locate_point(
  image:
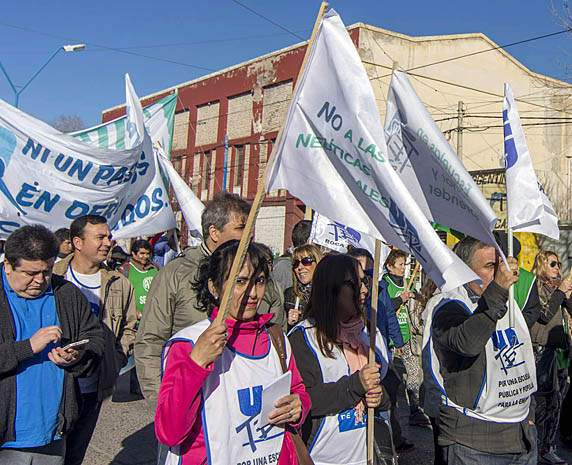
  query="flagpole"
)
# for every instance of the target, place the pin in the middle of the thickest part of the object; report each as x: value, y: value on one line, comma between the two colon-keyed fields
x: 257, y: 202
x: 372, y: 334
x: 511, y: 301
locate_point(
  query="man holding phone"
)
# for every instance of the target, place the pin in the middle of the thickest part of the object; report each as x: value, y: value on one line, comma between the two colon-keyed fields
x: 39, y: 315
x: 112, y: 301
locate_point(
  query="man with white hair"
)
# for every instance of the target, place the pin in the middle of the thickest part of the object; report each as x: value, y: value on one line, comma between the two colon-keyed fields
x: 484, y: 368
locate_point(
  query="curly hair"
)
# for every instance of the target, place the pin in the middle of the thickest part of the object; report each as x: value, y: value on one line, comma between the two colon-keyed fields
x: 541, y: 260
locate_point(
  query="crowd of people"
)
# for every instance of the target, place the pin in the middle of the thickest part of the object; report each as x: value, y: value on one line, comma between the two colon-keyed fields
x: 284, y: 377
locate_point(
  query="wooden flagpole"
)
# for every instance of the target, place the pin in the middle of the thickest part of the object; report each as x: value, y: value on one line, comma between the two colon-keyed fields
x: 257, y: 203
x: 372, y: 334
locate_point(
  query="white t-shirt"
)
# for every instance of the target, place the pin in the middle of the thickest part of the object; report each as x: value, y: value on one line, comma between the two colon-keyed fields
x: 90, y: 286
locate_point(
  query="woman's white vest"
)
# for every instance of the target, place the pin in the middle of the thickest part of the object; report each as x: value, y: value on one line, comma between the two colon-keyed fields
x: 339, y: 439
x: 510, y: 373
x: 232, y: 400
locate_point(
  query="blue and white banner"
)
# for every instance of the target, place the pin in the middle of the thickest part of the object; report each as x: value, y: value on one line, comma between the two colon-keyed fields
x: 51, y: 178
x: 332, y: 155
x: 528, y: 207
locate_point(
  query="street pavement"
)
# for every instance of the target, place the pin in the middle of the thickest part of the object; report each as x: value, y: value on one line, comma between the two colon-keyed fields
x: 125, y: 436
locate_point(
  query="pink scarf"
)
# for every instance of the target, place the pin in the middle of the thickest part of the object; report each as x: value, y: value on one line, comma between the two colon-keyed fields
x: 355, y: 351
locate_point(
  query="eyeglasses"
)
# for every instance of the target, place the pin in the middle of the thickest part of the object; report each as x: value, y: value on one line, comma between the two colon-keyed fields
x: 306, y: 261
x: 554, y: 263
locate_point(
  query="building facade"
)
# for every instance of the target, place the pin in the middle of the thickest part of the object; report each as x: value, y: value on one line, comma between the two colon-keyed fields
x: 227, y: 122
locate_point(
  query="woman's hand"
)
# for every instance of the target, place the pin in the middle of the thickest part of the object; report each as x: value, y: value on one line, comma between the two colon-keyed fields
x: 210, y: 345
x: 293, y: 316
x: 288, y: 410
x: 406, y: 295
x: 370, y: 377
x: 373, y: 397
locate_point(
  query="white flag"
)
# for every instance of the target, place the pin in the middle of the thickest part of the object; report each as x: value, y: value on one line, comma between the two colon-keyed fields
x: 338, y: 237
x: 332, y: 155
x: 529, y: 209
x: 191, y: 206
x: 52, y: 178
x: 432, y: 172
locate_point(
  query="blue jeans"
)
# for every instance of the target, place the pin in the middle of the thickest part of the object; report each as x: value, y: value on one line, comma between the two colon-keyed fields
x: 458, y: 454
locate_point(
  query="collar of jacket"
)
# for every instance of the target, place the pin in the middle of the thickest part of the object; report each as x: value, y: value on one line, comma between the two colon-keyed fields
x: 205, y: 249
x: 61, y: 267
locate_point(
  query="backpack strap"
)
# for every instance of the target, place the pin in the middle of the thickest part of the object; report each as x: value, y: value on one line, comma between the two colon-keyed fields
x: 277, y: 337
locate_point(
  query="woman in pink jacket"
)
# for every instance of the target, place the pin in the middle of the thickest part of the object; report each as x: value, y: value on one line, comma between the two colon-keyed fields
x: 214, y: 375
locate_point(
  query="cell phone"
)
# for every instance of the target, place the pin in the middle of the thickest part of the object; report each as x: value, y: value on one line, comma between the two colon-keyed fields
x: 74, y: 345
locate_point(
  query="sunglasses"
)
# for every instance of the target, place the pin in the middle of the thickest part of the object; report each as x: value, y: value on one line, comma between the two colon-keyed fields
x: 554, y: 263
x: 306, y: 261
x: 365, y: 281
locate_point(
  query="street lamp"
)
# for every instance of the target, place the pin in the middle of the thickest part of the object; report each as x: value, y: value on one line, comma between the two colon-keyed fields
x: 65, y: 48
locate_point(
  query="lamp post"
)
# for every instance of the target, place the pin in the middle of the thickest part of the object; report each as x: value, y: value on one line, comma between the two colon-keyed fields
x: 65, y: 48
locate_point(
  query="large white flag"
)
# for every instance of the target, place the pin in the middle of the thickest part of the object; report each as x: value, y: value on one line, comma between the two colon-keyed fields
x: 529, y: 209
x: 191, y: 206
x: 432, y: 172
x: 51, y: 178
x: 333, y: 156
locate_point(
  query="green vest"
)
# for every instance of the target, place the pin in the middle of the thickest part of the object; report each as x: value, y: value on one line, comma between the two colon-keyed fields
x: 394, y: 290
x: 141, y: 281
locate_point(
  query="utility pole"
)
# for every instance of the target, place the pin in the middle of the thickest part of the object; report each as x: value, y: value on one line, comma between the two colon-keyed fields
x: 460, y: 113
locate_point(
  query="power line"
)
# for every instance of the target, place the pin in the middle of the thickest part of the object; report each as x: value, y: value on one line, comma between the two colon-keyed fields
x: 114, y: 49
x: 490, y: 49
x: 268, y: 19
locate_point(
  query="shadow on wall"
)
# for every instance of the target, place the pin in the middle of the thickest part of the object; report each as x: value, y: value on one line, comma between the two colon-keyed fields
x: 140, y: 448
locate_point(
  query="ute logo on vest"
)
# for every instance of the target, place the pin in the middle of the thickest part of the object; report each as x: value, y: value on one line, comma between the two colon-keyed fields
x: 147, y: 283
x: 506, y: 343
x: 250, y: 407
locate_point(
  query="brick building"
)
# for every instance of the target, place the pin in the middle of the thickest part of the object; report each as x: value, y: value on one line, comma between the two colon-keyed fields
x: 238, y: 111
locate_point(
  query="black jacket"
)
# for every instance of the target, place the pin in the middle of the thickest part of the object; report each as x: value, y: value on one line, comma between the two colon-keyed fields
x: 459, y: 340
x: 77, y: 322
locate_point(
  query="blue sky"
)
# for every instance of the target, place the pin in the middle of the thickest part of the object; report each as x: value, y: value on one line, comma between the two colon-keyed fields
x: 203, y: 36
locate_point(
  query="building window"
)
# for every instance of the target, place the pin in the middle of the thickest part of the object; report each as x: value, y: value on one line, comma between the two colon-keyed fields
x: 206, y: 170
x: 238, y: 164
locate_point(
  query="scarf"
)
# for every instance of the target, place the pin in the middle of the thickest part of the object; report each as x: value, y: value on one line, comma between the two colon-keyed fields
x: 305, y: 290
x: 355, y: 351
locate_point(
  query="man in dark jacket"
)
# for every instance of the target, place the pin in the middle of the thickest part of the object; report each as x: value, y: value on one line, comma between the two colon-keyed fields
x: 39, y: 316
x: 485, y: 367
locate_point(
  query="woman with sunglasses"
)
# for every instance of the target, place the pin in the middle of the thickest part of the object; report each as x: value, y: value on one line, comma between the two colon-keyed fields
x: 304, y: 261
x: 551, y: 342
x: 331, y: 347
x: 210, y: 397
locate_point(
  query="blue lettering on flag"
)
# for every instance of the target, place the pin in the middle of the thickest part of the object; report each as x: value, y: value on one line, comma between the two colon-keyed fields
x: 511, y: 155
x: 7, y: 146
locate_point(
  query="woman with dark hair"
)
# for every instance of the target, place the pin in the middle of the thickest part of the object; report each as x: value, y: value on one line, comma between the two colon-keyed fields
x: 304, y: 261
x: 214, y: 374
x: 331, y: 346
